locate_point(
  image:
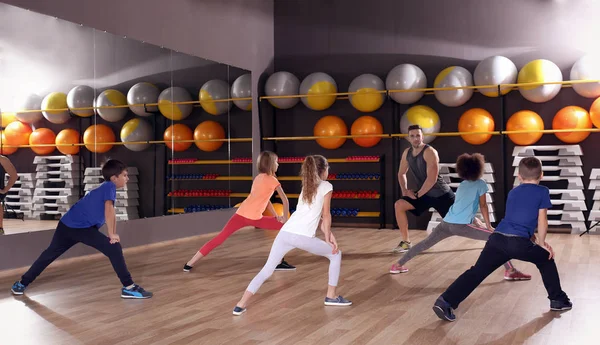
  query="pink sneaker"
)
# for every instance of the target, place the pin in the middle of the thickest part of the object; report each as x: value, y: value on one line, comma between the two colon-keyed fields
x: 516, y: 275
x: 395, y: 269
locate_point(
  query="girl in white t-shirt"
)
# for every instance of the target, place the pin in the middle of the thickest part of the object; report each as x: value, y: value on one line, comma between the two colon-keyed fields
x: 299, y: 232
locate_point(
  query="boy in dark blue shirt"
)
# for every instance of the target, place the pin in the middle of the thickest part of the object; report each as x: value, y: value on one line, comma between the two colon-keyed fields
x: 526, y: 208
x: 81, y: 224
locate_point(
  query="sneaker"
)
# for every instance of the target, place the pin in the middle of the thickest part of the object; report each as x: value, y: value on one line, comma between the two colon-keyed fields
x: 395, y: 269
x: 338, y: 301
x: 516, y: 275
x: 187, y: 268
x: 1, y: 231
x: 443, y: 310
x: 18, y: 288
x: 561, y: 305
x: 284, y: 266
x: 404, y: 246
x: 238, y: 310
x: 136, y: 292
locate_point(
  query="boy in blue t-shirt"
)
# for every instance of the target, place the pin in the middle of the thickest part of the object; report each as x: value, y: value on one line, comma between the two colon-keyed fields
x: 81, y: 224
x: 526, y: 208
x: 460, y: 219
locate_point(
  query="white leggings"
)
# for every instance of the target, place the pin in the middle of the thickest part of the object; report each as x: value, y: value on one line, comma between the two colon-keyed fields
x: 286, y: 241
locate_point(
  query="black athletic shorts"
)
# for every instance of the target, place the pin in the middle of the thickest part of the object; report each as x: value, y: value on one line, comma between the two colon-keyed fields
x: 441, y: 204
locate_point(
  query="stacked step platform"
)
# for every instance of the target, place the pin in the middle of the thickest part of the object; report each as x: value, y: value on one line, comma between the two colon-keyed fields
x: 562, y: 167
x: 19, y: 198
x: 57, y: 186
x: 126, y: 206
x: 450, y: 176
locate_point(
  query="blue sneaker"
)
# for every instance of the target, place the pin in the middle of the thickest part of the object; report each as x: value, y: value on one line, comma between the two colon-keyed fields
x: 18, y: 288
x: 238, y: 310
x: 338, y: 301
x: 443, y: 310
x: 136, y: 292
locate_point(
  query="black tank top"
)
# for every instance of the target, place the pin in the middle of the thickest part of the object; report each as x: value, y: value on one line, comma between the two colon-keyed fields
x: 2, y: 174
x: 418, y: 168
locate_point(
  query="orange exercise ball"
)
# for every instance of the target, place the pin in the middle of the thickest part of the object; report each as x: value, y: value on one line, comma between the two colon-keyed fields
x: 95, y: 136
x: 572, y: 117
x: 476, y: 120
x: 365, y: 125
x: 330, y: 125
x: 17, y: 133
x: 278, y: 208
x: 3, y: 149
x: 42, y: 136
x: 525, y: 120
x: 67, y: 136
x: 209, y: 130
x: 595, y: 112
x: 176, y: 132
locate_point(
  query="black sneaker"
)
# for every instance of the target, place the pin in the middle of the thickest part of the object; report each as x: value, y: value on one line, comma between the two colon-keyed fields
x: 187, y: 268
x: 238, y: 310
x: 136, y: 292
x: 561, y: 305
x: 284, y: 266
x: 443, y: 310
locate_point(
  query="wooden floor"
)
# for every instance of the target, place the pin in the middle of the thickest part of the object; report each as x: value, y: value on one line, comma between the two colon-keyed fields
x: 17, y: 226
x: 76, y: 301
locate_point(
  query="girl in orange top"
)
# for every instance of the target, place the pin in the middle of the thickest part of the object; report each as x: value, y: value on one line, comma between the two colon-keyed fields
x: 250, y: 212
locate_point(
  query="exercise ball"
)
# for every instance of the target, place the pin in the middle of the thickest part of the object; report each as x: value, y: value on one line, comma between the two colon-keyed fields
x: 95, y: 138
x: 476, y: 120
x: 406, y: 77
x: 109, y: 98
x: 209, y: 130
x: 67, y: 136
x: 242, y: 88
x: 7, y: 118
x: 136, y: 130
x: 214, y: 90
x: 330, y: 125
x: 423, y: 116
x: 55, y: 100
x: 495, y: 70
x: 538, y: 71
x: 177, y: 132
x: 81, y: 96
x: 366, y: 100
x: 595, y: 112
x: 315, y: 84
x: 283, y: 84
x: 366, y: 125
x: 572, y: 117
x: 172, y: 111
x: 525, y: 120
x: 278, y: 209
x: 587, y: 68
x: 454, y: 76
x: 17, y: 133
x: 30, y: 102
x: 42, y: 136
x: 3, y: 149
x: 143, y: 93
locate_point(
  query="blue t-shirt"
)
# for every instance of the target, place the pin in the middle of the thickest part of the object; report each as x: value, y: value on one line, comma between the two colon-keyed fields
x: 89, y: 211
x: 466, y: 202
x: 522, y: 209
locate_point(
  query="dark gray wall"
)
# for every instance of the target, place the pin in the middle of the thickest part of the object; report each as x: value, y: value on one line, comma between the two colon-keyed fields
x: 349, y: 38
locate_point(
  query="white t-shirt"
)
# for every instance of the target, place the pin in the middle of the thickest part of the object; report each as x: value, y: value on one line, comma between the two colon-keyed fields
x: 305, y: 220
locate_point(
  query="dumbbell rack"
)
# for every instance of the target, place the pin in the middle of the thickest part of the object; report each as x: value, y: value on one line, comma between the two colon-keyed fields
x: 19, y: 197
x: 449, y: 175
x: 57, y: 186
x: 127, y: 202
x: 561, y: 165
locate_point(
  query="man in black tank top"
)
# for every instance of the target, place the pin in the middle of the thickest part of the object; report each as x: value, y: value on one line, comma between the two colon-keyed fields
x: 6, y: 166
x: 423, y: 163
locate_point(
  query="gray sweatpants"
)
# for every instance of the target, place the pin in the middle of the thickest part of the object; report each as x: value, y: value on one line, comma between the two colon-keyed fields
x: 445, y: 230
x: 286, y: 241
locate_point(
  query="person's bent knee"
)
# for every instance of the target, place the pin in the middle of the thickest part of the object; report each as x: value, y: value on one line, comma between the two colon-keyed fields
x: 402, y: 205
